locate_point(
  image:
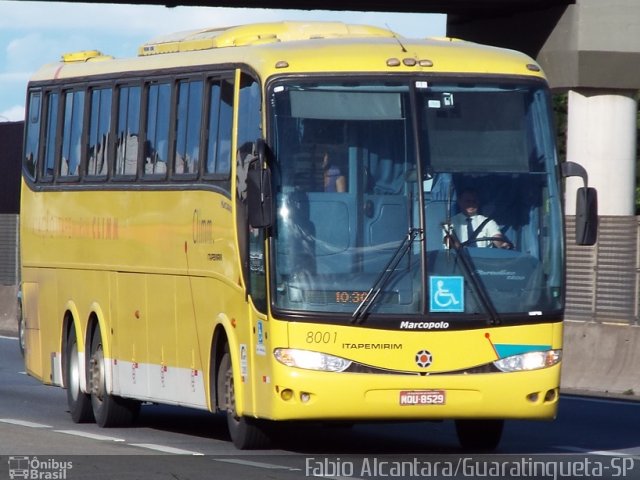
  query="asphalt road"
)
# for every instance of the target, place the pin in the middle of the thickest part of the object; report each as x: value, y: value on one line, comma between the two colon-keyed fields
x: 598, y: 438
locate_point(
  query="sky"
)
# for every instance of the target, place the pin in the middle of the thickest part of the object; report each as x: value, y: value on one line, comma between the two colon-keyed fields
x: 36, y: 33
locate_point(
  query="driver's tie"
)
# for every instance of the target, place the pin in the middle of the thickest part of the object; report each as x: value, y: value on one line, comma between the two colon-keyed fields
x: 470, y: 233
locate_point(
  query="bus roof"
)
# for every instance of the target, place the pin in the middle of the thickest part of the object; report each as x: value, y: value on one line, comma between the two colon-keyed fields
x: 300, y: 47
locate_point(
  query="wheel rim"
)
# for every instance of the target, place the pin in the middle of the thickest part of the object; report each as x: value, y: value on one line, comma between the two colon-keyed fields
x: 21, y: 333
x: 229, y: 395
x: 97, y: 375
x: 74, y: 372
x: 22, y: 336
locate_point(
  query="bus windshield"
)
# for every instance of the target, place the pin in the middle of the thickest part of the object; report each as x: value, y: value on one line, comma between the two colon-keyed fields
x: 371, y: 179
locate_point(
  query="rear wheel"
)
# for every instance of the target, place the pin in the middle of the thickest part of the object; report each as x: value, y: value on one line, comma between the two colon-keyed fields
x: 483, y: 435
x: 109, y: 410
x: 246, y: 433
x: 79, y: 402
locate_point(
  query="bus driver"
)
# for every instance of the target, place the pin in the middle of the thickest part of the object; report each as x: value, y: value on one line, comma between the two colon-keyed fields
x: 472, y: 228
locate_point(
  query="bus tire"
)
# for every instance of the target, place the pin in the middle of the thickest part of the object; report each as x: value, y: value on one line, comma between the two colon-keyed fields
x: 79, y: 402
x: 480, y: 435
x: 108, y: 410
x: 21, y: 328
x: 246, y: 433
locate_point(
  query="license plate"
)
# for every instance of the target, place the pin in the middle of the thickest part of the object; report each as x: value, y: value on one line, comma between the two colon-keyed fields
x: 422, y: 397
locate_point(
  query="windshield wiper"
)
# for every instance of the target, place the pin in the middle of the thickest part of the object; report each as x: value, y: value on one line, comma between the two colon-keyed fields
x: 470, y: 273
x: 382, y: 279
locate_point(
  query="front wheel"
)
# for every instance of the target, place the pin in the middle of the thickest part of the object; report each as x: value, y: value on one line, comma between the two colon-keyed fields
x: 482, y: 435
x: 109, y: 410
x: 246, y: 433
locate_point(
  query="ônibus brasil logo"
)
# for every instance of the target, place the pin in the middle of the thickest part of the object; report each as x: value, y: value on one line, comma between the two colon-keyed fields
x: 34, y: 468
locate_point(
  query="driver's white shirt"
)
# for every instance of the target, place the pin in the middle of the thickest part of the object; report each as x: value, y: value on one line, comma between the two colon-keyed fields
x: 490, y: 229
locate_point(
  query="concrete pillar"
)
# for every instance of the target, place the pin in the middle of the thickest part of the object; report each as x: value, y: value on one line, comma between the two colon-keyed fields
x: 601, y: 136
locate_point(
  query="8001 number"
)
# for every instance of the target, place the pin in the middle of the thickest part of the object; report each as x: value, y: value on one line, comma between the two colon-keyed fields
x: 321, y: 337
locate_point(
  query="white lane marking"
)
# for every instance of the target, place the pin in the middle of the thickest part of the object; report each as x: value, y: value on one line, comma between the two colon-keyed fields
x: 93, y: 436
x: 24, y: 423
x: 249, y: 463
x: 163, y: 448
x: 606, y: 453
x: 77, y: 433
x: 9, y: 338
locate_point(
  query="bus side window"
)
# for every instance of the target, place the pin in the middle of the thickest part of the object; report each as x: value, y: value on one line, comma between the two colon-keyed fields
x: 51, y: 130
x: 72, y: 133
x: 99, y: 127
x: 128, y: 131
x: 157, y: 123
x: 33, y: 134
x: 187, y: 129
x: 218, y: 149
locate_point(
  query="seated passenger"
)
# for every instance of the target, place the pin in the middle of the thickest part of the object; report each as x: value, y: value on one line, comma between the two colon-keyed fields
x: 333, y: 179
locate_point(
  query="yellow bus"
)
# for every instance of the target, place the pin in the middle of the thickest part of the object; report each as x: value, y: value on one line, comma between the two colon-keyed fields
x: 262, y: 221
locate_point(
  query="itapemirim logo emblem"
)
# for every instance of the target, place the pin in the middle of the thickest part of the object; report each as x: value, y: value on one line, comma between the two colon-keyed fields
x: 37, y: 469
x: 424, y: 358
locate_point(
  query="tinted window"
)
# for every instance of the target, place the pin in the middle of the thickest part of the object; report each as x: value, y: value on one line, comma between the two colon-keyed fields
x: 128, y: 131
x: 188, y: 122
x: 220, y: 126
x: 99, y: 125
x: 72, y: 133
x: 157, y: 138
x: 33, y: 133
x: 50, y: 134
x: 249, y: 112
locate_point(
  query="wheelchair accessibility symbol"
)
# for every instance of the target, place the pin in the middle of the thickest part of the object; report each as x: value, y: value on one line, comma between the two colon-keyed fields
x: 446, y: 294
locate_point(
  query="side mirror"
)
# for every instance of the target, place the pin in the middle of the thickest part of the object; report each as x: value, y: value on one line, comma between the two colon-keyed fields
x: 586, y: 205
x: 259, y: 197
x: 586, y: 216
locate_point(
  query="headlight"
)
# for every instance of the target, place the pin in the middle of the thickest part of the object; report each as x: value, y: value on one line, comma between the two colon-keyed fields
x: 311, y: 360
x: 529, y: 361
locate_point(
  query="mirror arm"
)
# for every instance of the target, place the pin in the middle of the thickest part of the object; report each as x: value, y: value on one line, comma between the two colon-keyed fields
x: 573, y: 169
